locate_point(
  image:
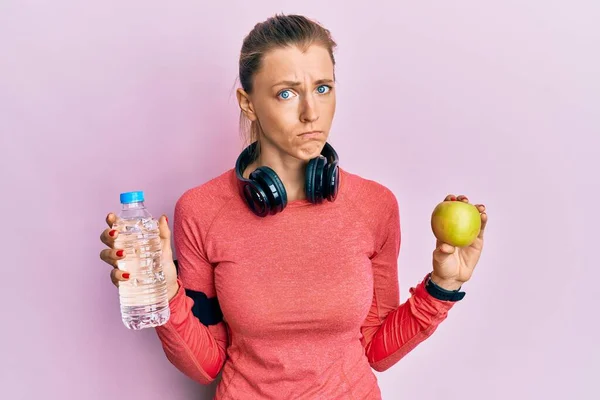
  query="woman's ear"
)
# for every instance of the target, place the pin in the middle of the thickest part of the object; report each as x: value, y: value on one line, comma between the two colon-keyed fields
x: 246, y: 104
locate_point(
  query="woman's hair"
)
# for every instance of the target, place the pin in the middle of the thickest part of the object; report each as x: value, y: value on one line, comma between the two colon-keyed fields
x: 276, y: 32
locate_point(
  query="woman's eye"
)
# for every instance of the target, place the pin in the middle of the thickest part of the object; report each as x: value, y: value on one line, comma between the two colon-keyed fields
x: 323, y: 89
x: 286, y: 94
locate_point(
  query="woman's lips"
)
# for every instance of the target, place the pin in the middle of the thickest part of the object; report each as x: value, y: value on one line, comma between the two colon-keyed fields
x: 310, y: 135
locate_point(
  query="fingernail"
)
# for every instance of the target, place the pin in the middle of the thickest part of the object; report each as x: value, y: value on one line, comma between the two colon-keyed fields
x: 452, y: 198
x: 112, y: 233
x: 125, y: 275
x: 167, y: 219
x: 120, y: 253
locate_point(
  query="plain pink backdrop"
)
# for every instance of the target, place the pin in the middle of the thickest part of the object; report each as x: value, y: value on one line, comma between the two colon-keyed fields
x: 497, y: 100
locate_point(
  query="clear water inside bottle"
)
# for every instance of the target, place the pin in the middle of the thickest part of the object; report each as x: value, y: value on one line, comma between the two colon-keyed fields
x: 143, y: 297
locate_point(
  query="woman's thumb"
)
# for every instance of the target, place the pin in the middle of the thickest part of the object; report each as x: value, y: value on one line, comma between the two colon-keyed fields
x: 442, y: 252
x: 163, y: 227
x: 165, y: 233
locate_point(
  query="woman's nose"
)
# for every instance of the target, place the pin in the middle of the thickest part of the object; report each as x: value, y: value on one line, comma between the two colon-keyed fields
x: 309, y: 112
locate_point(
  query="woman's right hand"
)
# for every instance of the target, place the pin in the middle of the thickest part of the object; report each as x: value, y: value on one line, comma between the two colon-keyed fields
x: 112, y: 255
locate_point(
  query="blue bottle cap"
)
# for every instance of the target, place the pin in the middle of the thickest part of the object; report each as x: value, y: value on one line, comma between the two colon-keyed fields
x: 132, y: 197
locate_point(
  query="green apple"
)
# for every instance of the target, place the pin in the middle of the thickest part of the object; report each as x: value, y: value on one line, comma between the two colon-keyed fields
x: 456, y: 223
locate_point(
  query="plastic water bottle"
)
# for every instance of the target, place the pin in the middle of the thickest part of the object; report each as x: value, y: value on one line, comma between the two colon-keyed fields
x: 143, y: 297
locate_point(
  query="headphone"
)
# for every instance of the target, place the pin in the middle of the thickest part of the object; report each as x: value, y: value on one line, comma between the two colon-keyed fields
x: 264, y: 192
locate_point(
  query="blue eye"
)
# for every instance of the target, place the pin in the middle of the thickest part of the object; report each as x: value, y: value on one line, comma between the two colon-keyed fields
x: 286, y: 94
x: 323, y: 89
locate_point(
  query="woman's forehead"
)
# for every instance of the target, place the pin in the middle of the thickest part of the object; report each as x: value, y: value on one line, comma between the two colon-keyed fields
x: 294, y: 64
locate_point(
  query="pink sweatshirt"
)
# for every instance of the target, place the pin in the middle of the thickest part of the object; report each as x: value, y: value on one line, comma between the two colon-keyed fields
x: 309, y: 297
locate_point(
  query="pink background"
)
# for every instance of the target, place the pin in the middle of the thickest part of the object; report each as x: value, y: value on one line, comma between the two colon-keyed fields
x: 497, y: 100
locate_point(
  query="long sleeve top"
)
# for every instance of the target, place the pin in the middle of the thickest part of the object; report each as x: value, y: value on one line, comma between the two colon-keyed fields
x: 303, y: 304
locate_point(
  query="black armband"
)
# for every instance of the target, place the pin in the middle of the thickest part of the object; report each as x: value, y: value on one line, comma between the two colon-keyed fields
x: 206, y: 309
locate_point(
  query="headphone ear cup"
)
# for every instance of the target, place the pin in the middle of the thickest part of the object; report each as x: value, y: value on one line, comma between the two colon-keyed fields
x: 256, y: 198
x: 326, y: 172
x: 313, y: 183
x: 309, y: 182
x: 331, y: 184
x: 273, y: 188
x: 319, y: 187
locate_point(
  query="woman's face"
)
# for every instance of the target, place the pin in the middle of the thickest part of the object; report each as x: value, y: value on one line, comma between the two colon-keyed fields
x: 293, y: 99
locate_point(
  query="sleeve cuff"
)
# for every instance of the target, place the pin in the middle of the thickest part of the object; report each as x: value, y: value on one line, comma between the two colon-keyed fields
x: 174, y: 302
x: 179, y: 306
x: 422, y: 292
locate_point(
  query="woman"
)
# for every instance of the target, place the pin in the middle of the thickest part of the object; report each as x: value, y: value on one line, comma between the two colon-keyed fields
x: 301, y: 254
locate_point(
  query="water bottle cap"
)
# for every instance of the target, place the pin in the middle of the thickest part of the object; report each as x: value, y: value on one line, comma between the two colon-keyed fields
x: 132, y: 197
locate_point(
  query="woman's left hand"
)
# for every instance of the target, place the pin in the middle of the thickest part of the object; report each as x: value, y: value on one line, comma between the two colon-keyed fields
x: 453, y: 266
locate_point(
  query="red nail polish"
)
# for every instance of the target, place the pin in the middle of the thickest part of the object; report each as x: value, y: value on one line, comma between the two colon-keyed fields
x: 112, y: 233
x: 126, y: 275
x: 167, y: 219
x: 120, y: 253
x: 452, y: 198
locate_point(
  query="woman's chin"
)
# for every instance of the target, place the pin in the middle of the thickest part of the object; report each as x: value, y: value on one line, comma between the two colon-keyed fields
x: 309, y: 150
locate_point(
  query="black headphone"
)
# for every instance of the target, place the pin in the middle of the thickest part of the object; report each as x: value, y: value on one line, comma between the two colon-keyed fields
x: 264, y: 192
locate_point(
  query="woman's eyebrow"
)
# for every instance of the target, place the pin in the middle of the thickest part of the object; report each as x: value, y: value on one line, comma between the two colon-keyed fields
x: 295, y: 83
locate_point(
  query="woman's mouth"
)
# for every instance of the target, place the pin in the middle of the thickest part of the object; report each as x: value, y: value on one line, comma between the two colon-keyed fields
x: 310, y: 135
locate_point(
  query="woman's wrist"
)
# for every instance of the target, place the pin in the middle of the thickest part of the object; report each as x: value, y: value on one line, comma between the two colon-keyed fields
x: 172, y: 290
x: 446, y: 284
